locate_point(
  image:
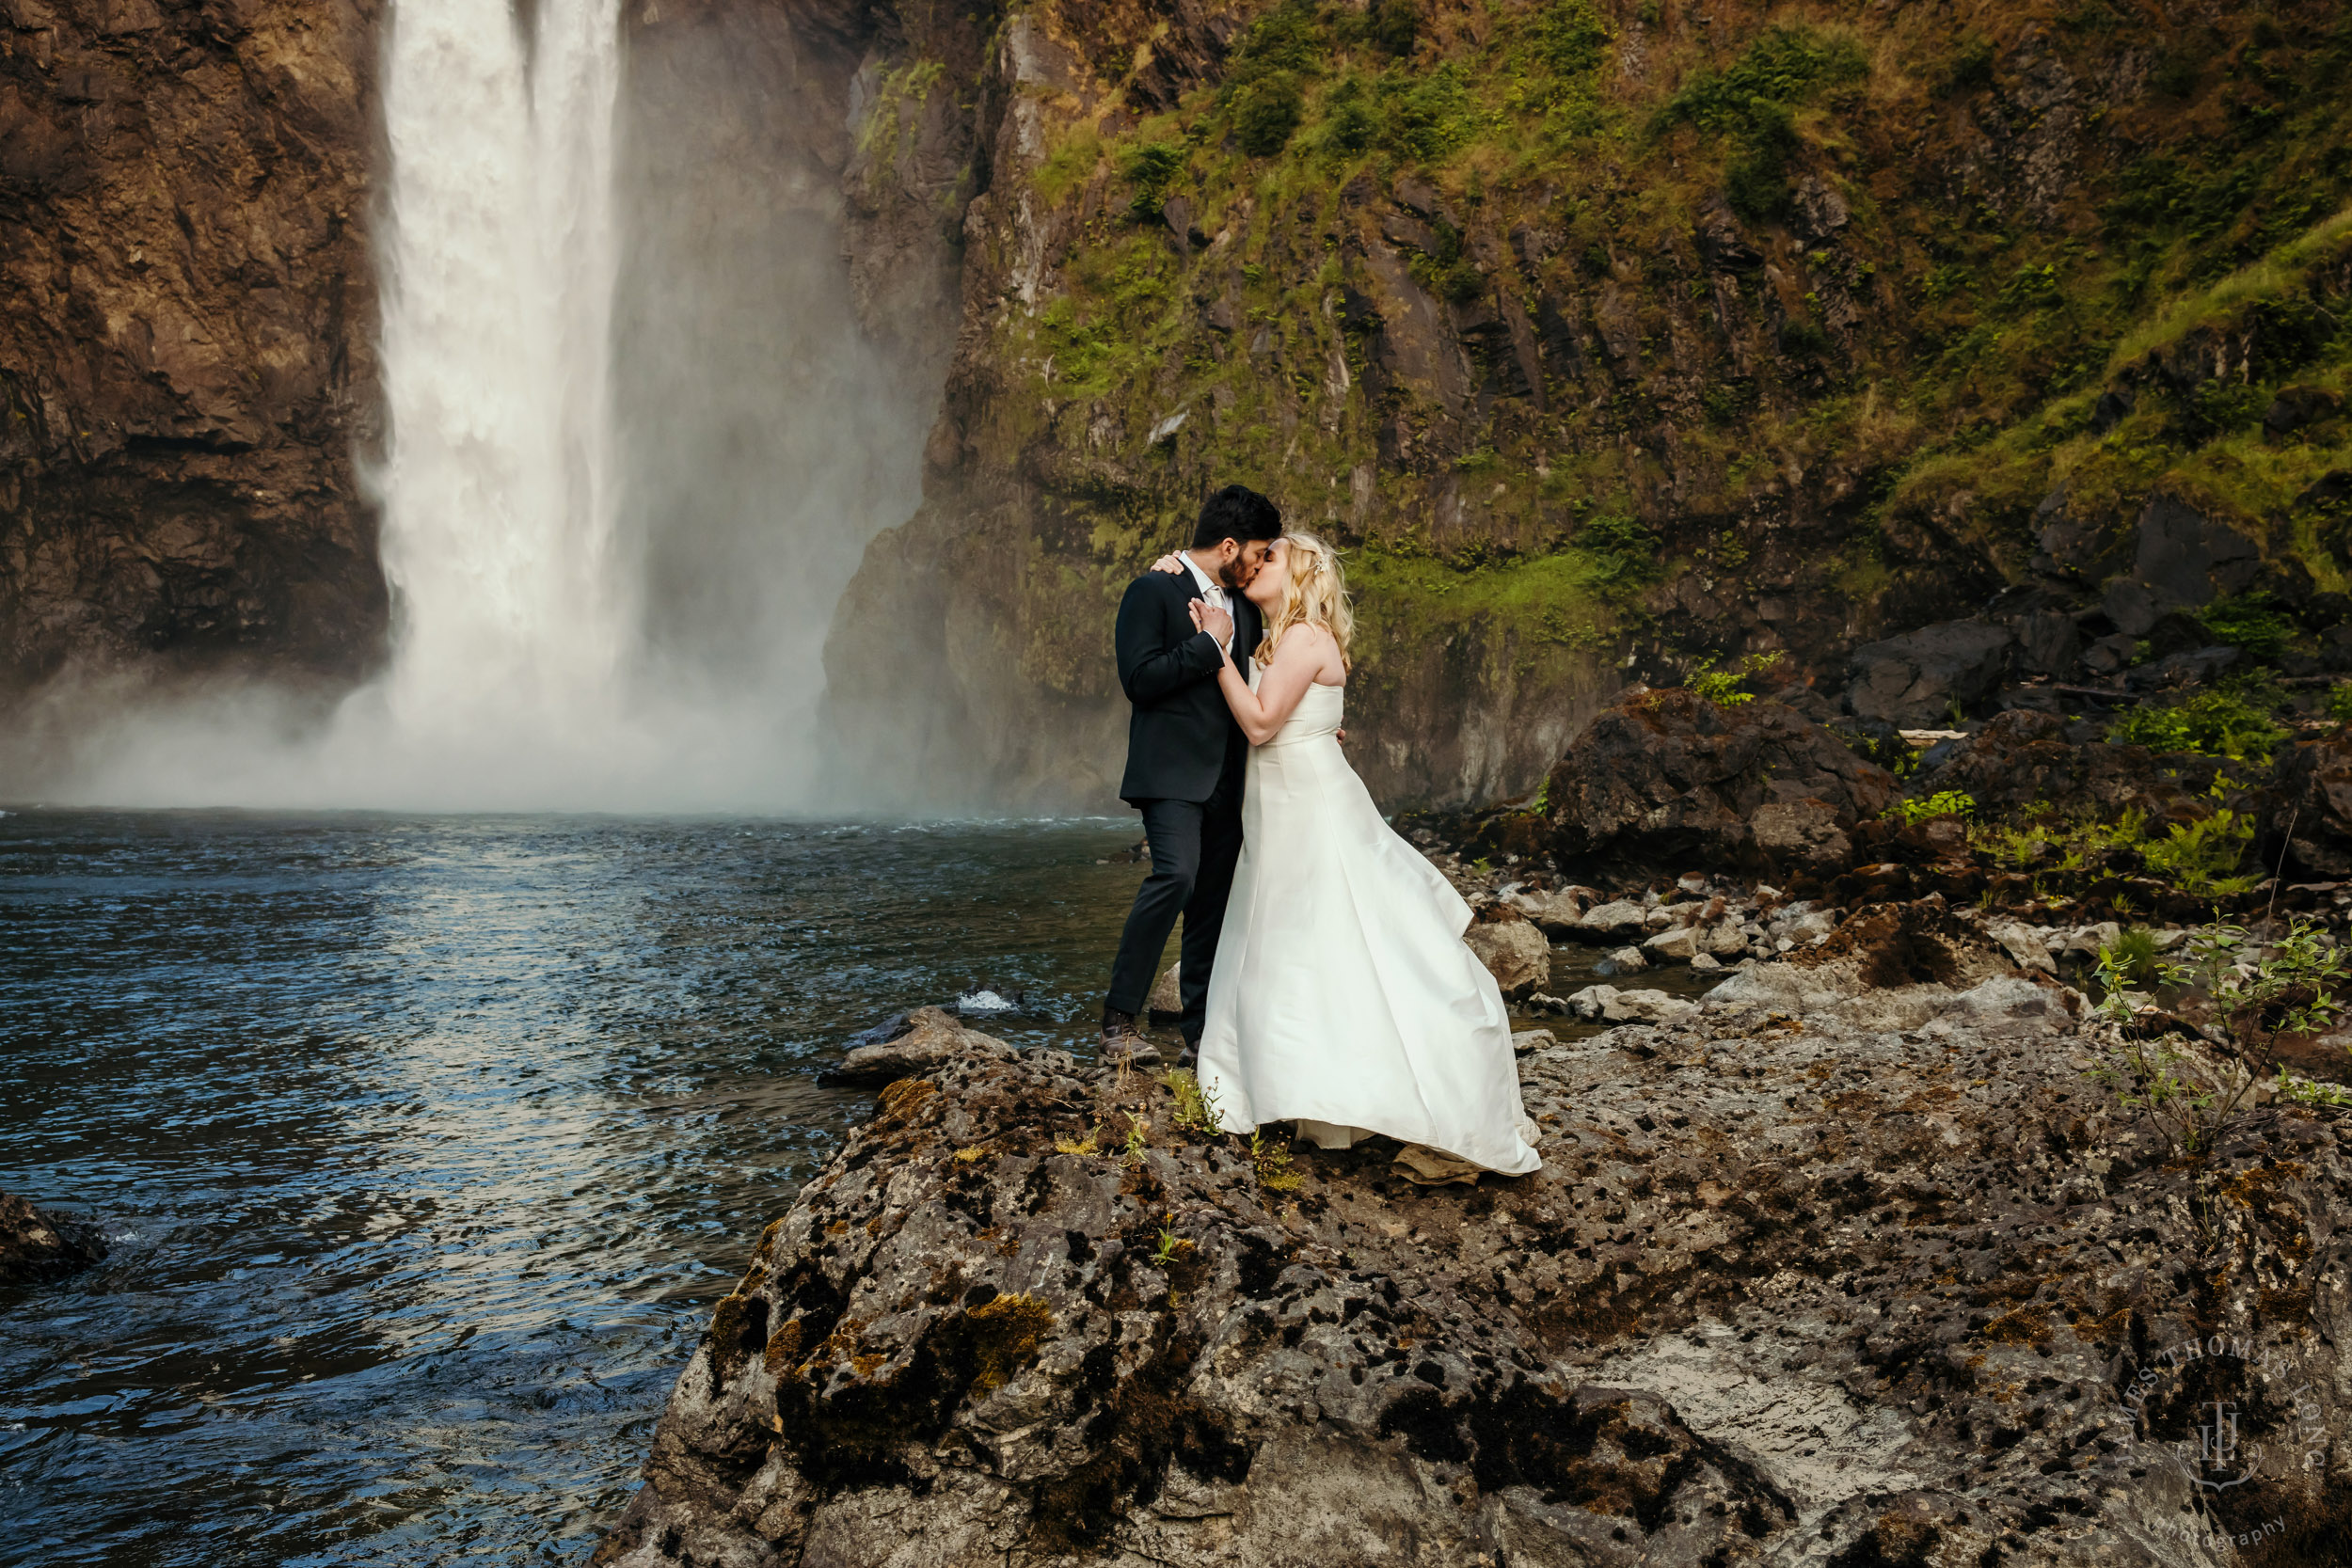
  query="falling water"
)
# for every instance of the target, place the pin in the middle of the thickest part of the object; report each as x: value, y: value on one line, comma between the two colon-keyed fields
x: 511, y: 621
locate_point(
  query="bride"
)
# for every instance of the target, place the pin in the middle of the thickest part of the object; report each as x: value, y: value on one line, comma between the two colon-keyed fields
x: 1343, y: 997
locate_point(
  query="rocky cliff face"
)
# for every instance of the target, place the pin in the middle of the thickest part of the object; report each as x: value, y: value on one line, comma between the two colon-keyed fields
x: 1606, y: 336
x: 186, y: 336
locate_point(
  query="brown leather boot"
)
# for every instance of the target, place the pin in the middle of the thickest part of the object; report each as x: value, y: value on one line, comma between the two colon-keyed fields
x: 1124, y: 1040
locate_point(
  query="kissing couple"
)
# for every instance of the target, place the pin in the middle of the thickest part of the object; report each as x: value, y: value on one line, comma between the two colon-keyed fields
x: 1323, y: 975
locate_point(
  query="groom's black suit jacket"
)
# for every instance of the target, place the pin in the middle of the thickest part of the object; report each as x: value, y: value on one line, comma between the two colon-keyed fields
x: 1182, y: 739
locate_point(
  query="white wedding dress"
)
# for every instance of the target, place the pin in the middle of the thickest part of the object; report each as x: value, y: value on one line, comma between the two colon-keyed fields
x: 1343, y: 997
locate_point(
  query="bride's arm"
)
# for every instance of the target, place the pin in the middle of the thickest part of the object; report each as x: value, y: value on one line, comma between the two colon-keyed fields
x: 1263, y: 712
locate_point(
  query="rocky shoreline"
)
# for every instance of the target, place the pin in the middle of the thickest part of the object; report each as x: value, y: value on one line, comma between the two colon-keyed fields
x: 1855, y: 1245
x: 1823, y: 1270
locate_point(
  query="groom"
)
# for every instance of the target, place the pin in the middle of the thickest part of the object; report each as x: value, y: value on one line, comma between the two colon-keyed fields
x: 1186, y: 756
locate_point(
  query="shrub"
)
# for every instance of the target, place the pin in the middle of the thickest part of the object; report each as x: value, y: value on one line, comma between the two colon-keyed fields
x: 2339, y: 702
x: 2232, y: 720
x: 1623, y: 554
x: 1151, y: 168
x: 1971, y: 67
x: 1395, y: 25
x: 2251, y: 622
x: 2189, y: 1098
x: 1785, y: 65
x: 1750, y: 101
x: 1722, y: 687
x: 1432, y: 116
x: 1802, y: 338
x: 1569, y: 37
x: 1266, y: 111
x: 2204, y: 856
x: 1350, y: 122
x: 1944, y: 802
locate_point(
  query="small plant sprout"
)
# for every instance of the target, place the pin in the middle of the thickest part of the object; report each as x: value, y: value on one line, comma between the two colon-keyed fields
x: 1272, y: 1161
x: 1137, y: 1140
x: 2134, y: 951
x: 1195, y: 1105
x: 1170, y: 1244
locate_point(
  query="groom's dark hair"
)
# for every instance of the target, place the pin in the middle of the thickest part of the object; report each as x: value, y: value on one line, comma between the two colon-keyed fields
x: 1236, y: 511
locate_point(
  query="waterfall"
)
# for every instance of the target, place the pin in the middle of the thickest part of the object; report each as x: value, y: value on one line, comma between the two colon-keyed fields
x: 636, y: 440
x: 511, y: 624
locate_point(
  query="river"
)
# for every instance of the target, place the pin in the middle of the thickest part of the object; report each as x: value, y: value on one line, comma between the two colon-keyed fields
x: 425, y: 1144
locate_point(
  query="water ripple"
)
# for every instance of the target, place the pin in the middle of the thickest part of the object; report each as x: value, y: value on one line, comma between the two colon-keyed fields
x: 424, y: 1144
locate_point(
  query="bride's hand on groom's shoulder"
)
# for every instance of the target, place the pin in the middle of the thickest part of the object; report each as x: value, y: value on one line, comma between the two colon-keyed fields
x: 1173, y: 565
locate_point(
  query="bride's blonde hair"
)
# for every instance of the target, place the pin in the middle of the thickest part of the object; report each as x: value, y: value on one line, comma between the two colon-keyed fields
x: 1316, y: 596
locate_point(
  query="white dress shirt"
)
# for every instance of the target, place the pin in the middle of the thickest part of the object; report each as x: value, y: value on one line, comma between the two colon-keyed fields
x: 1213, y: 593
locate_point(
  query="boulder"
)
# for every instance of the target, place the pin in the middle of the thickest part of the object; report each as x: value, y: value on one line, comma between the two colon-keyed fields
x: 1792, y: 836
x: 2182, y: 559
x: 1557, y: 911
x: 1525, y: 1042
x: 1667, y: 781
x: 1167, y: 1000
x: 1919, y: 677
x: 1607, y: 1004
x: 1612, y: 921
x: 2313, y: 790
x: 931, y: 1037
x: 2294, y: 407
x: 1677, y: 945
x: 2024, y: 945
x: 2022, y: 758
x: 36, y: 1245
x: 1624, y: 961
x: 1775, y: 1284
x: 1513, y: 950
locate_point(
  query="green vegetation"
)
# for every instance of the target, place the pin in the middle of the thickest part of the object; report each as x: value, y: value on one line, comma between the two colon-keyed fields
x: 1937, y: 361
x: 2231, y: 721
x: 1753, y: 103
x: 2203, y: 856
x: 2132, y: 956
x: 2053, y: 841
x: 2253, y: 623
x: 1196, y: 1106
x: 1271, y: 1160
x: 1725, y: 687
x: 1944, y: 802
x: 2262, y: 997
x: 2340, y: 703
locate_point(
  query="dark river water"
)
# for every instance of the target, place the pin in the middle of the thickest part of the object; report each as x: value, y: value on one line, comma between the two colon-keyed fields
x: 424, y: 1145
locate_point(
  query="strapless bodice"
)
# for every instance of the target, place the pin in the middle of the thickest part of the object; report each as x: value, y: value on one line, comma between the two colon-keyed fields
x: 1319, y: 713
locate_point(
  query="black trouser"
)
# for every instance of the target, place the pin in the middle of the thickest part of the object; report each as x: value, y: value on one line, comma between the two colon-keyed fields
x: 1195, y: 845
